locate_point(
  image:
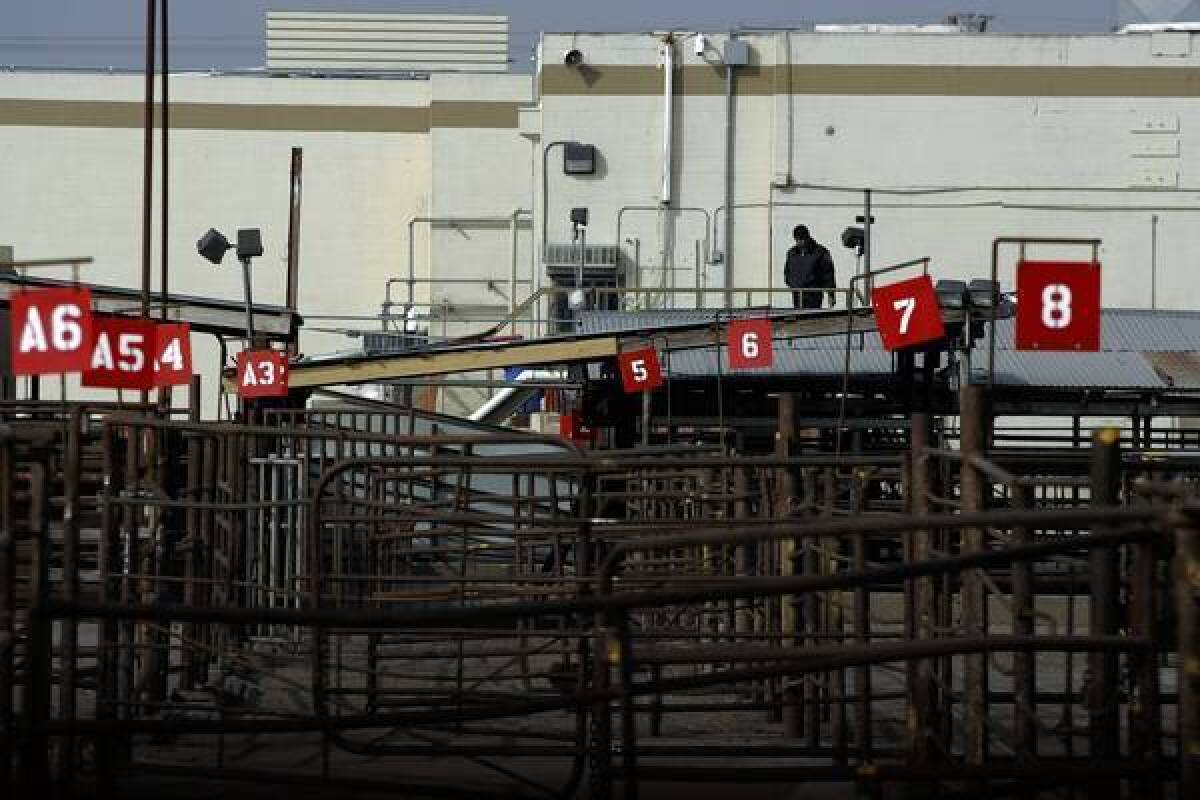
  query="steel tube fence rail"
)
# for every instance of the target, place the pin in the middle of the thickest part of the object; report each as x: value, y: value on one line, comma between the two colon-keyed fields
x: 328, y: 590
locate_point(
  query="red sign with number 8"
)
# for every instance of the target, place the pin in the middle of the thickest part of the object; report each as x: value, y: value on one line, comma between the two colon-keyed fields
x: 640, y: 371
x: 1058, y: 305
x: 750, y: 344
x: 907, y: 313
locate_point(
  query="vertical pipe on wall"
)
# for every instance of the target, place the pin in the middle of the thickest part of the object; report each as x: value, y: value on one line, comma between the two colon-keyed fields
x: 295, y: 197
x: 730, y: 90
x: 166, y: 124
x: 668, y: 64
x: 1154, y: 261
x: 148, y: 156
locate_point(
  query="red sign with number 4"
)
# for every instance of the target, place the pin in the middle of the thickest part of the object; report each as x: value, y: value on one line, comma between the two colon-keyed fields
x: 750, y: 344
x: 262, y: 373
x: 173, y: 364
x: 907, y: 313
x: 1058, y: 305
x: 640, y: 371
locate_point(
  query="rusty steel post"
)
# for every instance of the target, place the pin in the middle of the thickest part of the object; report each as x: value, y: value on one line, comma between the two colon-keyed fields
x: 1145, y: 708
x: 70, y: 586
x: 8, y: 604
x: 790, y: 711
x: 1187, y: 612
x: 39, y: 658
x: 971, y: 487
x: 295, y: 198
x: 1024, y: 623
x: 108, y: 563
x: 919, y: 608
x: 1104, y: 721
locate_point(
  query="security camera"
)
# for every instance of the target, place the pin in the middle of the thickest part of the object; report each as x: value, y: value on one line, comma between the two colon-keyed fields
x: 573, y: 58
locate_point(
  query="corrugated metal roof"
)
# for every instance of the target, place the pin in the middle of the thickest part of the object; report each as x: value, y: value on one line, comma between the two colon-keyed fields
x: 1140, y: 350
x: 1076, y: 370
x: 1127, y: 330
x: 700, y: 362
x: 617, y: 321
x: 1122, y: 330
x: 1177, y: 370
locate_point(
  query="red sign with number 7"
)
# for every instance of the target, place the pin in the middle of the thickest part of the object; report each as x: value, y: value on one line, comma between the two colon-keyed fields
x: 640, y: 371
x: 907, y: 313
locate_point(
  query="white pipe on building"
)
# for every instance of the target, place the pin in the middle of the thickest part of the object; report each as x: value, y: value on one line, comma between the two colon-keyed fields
x: 501, y: 405
x: 668, y: 56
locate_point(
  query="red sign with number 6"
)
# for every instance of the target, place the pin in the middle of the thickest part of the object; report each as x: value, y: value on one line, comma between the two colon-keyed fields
x: 640, y: 371
x: 750, y: 344
x: 262, y: 373
x: 1058, y: 305
x: 50, y: 330
x: 121, y: 354
x: 907, y: 313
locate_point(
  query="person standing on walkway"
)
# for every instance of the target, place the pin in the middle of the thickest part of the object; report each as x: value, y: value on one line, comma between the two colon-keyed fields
x: 809, y: 266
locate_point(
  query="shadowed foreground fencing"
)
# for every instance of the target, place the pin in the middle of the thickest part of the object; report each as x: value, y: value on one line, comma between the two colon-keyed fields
x: 328, y: 601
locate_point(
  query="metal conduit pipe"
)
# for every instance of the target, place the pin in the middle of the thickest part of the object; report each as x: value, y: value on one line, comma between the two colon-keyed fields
x: 681, y: 210
x: 730, y: 107
x: 512, y: 219
x: 668, y: 55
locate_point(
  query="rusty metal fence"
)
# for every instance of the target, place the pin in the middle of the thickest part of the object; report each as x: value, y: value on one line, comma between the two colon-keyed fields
x: 327, y: 598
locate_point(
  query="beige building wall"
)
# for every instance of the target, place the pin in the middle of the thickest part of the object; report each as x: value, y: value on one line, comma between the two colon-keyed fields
x: 73, y: 164
x: 962, y: 138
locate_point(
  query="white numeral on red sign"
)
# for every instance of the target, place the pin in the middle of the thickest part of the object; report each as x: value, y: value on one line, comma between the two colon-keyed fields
x: 639, y: 370
x: 905, y: 305
x: 172, y: 355
x: 131, y: 357
x: 750, y: 344
x: 1056, y: 306
x: 265, y: 376
x: 65, y: 331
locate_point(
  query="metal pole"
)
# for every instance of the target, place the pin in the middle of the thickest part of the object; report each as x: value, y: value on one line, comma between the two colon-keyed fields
x: 730, y: 115
x: 974, y: 614
x: 148, y: 157
x: 582, y: 257
x: 249, y: 302
x: 1187, y: 614
x: 295, y: 194
x: 867, y: 238
x: 165, y: 243
x: 1104, y: 720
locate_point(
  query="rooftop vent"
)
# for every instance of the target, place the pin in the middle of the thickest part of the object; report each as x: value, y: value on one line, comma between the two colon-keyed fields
x: 328, y: 41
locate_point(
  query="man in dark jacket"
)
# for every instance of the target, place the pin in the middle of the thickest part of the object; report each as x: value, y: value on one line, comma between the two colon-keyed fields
x: 809, y: 266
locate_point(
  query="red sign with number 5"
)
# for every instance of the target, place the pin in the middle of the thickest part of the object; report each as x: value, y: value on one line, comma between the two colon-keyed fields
x: 262, y: 373
x: 907, y: 313
x: 750, y: 344
x: 1058, y: 305
x: 121, y: 357
x: 640, y: 371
